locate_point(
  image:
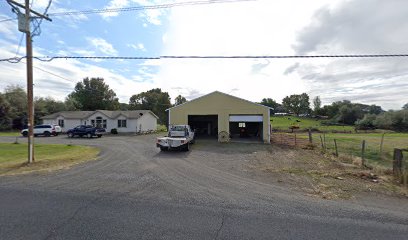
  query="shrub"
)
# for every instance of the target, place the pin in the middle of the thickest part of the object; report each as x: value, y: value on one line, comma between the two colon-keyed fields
x: 114, y: 131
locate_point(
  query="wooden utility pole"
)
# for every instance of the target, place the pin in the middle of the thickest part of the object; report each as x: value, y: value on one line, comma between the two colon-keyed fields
x: 30, y: 87
x: 29, y: 54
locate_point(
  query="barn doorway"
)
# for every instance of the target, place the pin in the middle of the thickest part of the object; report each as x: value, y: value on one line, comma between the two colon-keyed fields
x: 246, y: 127
x: 204, y: 126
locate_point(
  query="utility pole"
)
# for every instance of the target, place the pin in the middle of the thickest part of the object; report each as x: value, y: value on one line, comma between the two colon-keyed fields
x: 25, y: 27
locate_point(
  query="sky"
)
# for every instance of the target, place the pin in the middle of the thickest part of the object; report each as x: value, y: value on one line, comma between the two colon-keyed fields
x: 257, y: 27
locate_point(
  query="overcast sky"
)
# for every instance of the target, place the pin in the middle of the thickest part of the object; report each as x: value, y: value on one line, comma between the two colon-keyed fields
x: 262, y: 27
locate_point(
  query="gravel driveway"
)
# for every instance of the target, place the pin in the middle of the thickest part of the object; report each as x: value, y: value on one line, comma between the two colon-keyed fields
x: 134, y: 191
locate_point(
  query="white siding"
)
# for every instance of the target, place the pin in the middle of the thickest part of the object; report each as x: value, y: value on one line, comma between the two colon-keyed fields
x: 147, y: 122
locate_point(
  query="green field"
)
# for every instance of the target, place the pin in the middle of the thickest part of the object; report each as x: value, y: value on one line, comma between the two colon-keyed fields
x: 350, y: 145
x: 285, y: 122
x: 47, y: 156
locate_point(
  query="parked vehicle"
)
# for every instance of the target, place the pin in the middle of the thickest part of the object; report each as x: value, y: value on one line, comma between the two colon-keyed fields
x: 179, y: 137
x: 45, y: 130
x: 58, y: 129
x: 86, y: 130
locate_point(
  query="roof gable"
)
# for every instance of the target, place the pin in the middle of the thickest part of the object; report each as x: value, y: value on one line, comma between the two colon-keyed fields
x: 220, y: 96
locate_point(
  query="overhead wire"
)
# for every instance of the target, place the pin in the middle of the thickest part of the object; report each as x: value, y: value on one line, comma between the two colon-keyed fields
x: 49, y: 59
x: 146, y: 7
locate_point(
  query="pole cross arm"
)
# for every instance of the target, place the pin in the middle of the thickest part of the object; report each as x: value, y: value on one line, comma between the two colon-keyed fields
x: 32, y: 11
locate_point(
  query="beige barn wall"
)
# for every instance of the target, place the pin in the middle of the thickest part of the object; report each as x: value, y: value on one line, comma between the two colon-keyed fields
x: 222, y: 105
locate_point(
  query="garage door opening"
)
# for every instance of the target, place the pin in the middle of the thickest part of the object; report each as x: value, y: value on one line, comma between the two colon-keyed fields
x: 246, y: 127
x: 204, y: 126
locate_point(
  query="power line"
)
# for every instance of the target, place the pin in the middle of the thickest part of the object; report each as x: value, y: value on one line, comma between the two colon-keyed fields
x: 49, y: 59
x: 8, y: 19
x: 150, y: 7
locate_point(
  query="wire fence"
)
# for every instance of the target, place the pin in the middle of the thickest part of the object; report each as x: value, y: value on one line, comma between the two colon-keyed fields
x: 375, y: 150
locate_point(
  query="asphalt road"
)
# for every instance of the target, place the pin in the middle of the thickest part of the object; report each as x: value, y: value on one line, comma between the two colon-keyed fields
x: 136, y: 192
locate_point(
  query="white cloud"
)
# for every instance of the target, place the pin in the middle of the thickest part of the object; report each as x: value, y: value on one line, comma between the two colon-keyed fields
x: 245, y: 28
x: 114, y: 4
x: 150, y: 16
x: 138, y: 47
x: 102, y: 46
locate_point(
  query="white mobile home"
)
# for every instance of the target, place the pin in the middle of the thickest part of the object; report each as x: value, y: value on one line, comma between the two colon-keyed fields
x: 124, y: 121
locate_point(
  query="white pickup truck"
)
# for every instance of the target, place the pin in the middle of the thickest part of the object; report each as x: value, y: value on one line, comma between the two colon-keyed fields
x: 179, y: 137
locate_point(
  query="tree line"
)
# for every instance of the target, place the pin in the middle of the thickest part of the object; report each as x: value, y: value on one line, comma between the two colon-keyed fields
x: 362, y: 116
x: 88, y: 95
x: 94, y: 94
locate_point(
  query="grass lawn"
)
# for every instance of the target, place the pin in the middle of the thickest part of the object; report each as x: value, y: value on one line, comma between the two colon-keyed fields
x: 10, y: 134
x: 48, y: 157
x: 284, y: 122
x: 350, y: 145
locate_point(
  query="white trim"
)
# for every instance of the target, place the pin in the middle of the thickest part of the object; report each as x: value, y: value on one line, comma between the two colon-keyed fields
x: 246, y: 118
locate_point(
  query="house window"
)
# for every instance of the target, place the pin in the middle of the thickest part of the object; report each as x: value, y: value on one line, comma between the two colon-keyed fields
x: 122, y: 123
x: 241, y: 125
x: 61, y: 122
x: 100, y: 123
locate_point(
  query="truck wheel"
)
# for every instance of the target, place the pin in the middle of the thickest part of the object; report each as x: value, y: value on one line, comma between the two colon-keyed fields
x: 89, y: 135
x: 47, y: 134
x: 99, y: 135
x: 163, y: 149
x: 187, y: 147
x: 25, y: 134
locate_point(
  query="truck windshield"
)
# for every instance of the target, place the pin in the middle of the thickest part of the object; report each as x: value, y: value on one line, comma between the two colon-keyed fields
x: 178, y: 128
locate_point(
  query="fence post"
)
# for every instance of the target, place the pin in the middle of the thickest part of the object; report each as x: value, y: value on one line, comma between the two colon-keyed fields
x: 381, y: 144
x: 362, y: 153
x: 397, y: 164
x: 324, y: 141
x: 321, y: 141
x: 310, y: 136
x: 335, y: 146
x: 295, y: 140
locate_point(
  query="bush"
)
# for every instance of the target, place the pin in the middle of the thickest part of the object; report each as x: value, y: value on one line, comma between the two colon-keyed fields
x: 114, y: 131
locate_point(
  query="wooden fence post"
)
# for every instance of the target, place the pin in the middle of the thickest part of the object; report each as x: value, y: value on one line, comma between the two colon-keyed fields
x: 362, y: 153
x: 321, y: 141
x: 381, y: 144
x: 397, y: 164
x: 335, y: 146
x: 324, y: 141
x: 310, y: 136
x: 295, y: 140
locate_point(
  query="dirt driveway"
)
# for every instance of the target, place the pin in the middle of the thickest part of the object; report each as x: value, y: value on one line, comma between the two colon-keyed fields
x: 234, y: 188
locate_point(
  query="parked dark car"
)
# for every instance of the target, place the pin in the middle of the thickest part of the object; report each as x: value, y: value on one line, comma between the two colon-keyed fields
x: 86, y: 130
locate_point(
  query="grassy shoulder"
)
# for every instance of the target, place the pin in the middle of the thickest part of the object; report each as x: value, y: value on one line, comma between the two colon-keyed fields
x: 10, y: 134
x: 48, y: 157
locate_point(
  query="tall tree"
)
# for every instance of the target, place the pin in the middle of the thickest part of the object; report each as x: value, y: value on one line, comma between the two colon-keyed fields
x: 17, y: 97
x: 405, y: 107
x: 92, y: 94
x: 45, y: 106
x: 5, y: 120
x: 269, y: 102
x: 179, y: 100
x: 297, y: 103
x: 317, y: 105
x: 154, y: 100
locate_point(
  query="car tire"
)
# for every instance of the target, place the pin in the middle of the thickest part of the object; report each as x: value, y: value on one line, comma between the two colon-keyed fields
x: 89, y: 135
x: 163, y: 149
x: 25, y: 134
x: 47, y: 134
x: 99, y: 135
x: 187, y: 147
x: 70, y: 135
